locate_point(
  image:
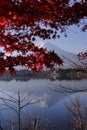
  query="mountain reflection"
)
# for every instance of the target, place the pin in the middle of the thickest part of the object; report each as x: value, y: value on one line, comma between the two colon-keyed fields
x: 50, y: 103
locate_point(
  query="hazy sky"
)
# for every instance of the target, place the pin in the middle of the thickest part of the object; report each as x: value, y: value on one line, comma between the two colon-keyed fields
x: 75, y: 42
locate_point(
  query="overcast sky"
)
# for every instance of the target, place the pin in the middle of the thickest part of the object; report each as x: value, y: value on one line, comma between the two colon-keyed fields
x: 75, y: 42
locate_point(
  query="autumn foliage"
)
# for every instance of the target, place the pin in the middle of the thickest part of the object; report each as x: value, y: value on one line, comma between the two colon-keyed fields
x: 21, y: 21
x: 82, y: 55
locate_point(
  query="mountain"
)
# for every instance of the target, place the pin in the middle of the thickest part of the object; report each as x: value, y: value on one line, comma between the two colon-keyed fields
x: 70, y: 59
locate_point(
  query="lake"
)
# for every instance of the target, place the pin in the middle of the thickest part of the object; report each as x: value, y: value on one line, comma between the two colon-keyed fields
x: 41, y: 99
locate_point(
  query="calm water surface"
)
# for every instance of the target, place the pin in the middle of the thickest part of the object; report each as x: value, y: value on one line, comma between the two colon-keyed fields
x: 50, y: 106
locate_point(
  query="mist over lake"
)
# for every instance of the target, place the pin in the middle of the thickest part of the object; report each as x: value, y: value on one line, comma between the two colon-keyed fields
x: 50, y: 105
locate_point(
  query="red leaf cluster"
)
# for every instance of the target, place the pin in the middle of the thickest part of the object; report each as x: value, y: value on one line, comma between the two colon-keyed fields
x: 82, y: 55
x: 21, y: 21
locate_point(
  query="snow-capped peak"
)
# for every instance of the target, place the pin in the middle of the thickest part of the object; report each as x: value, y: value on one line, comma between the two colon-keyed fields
x: 41, y: 44
x: 70, y: 59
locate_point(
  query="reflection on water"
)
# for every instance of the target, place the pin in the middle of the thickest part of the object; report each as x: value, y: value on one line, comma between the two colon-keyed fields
x: 50, y: 105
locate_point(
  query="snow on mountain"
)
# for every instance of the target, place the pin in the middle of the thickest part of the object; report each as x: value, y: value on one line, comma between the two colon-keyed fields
x: 70, y: 59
